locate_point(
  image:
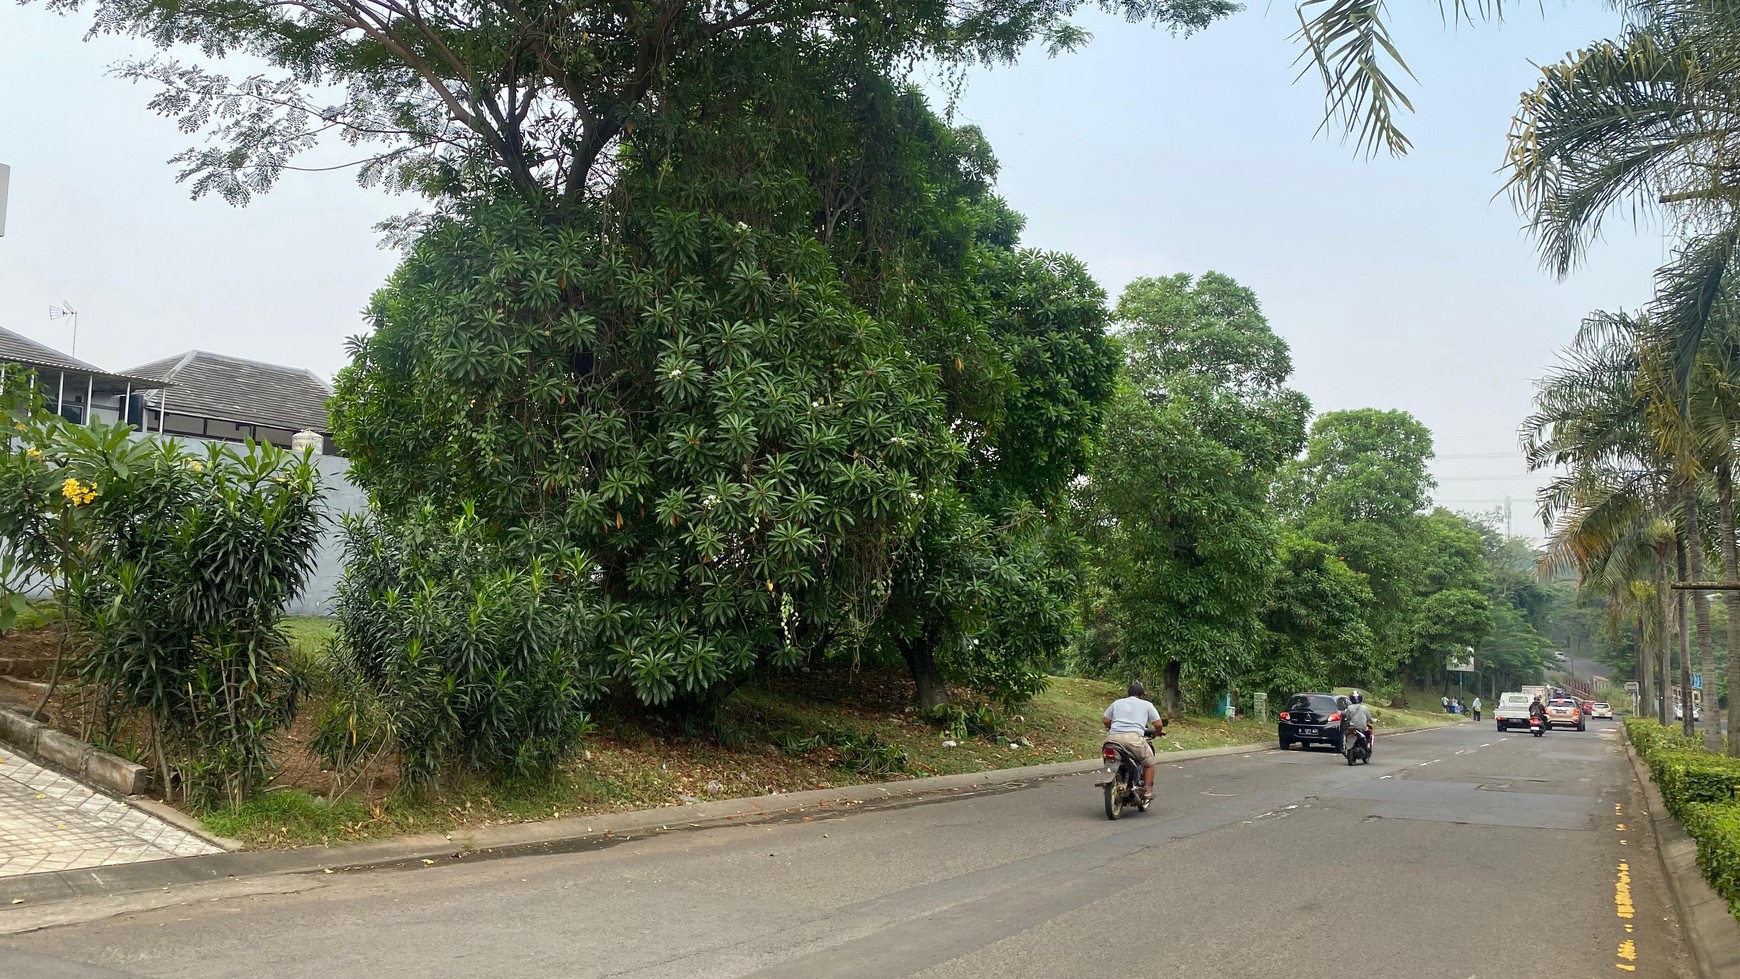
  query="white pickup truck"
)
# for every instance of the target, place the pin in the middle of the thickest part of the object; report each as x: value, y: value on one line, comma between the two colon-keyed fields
x: 1512, y: 711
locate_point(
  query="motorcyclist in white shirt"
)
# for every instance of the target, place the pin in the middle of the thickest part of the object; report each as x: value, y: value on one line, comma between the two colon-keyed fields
x: 1127, y: 722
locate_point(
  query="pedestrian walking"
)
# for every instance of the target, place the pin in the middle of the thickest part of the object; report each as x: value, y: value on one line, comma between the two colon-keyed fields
x: 1476, y: 708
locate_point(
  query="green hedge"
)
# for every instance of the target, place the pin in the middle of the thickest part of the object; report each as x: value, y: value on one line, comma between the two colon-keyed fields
x: 1702, y: 791
x: 1715, y: 827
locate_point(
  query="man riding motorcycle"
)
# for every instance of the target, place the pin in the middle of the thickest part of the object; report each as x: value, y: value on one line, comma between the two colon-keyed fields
x: 1538, y: 709
x: 1357, y: 717
x: 1127, y: 721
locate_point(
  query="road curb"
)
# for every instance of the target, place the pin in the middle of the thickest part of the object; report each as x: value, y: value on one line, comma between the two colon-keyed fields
x: 1711, y: 931
x: 549, y: 836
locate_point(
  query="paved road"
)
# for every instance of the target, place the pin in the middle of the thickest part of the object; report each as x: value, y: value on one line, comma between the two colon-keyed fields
x: 1472, y: 853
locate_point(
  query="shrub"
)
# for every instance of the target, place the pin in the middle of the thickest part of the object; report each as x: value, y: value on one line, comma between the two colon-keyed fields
x: 172, y: 569
x: 961, y: 722
x: 1693, y: 777
x: 453, y: 651
x: 1715, y: 826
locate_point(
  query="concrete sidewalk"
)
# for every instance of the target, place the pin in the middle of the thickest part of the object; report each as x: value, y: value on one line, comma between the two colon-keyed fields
x: 52, y: 822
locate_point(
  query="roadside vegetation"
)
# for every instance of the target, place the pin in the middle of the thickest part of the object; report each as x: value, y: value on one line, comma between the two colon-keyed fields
x: 777, y: 737
x: 760, y: 449
x: 1702, y: 791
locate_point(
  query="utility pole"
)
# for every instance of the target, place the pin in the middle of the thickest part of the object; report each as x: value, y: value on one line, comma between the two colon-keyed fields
x: 1507, y: 529
x: 5, y: 178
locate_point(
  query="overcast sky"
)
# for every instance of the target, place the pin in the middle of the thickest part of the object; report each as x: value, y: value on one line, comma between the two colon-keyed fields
x: 1399, y: 283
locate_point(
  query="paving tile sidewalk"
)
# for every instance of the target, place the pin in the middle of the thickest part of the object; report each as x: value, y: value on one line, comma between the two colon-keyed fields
x: 50, y: 821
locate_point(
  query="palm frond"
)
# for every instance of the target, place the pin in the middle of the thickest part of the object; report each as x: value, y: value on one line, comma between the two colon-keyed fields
x: 1348, y: 44
x: 1692, y: 292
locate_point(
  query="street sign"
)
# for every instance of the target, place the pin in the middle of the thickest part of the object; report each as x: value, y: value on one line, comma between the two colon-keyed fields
x: 1697, y: 681
x: 1460, y: 665
x: 1631, y: 686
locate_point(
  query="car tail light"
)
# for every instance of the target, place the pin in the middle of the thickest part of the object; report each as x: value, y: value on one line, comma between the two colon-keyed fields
x: 1335, y: 718
x: 1284, y: 715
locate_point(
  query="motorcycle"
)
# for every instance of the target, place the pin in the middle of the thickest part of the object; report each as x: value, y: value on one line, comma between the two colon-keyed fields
x: 1123, y: 784
x: 1537, y: 725
x: 1356, y: 747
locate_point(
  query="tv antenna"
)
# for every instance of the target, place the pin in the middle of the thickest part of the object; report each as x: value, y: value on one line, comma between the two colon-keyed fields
x: 65, y: 311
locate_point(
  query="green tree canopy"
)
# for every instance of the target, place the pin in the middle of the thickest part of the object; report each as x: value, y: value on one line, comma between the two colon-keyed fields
x: 1177, y: 505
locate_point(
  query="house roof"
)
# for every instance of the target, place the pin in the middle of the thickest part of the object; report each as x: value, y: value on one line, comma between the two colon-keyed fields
x: 236, y: 390
x: 20, y: 349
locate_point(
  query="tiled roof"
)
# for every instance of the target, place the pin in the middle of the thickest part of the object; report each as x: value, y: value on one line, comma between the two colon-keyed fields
x: 246, y: 391
x: 16, y: 347
x: 19, y: 349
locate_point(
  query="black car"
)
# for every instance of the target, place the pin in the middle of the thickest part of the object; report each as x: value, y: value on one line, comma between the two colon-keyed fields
x: 1311, y: 718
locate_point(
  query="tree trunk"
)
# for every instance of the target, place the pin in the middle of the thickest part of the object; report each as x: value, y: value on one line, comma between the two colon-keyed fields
x: 1731, y: 568
x: 1172, y: 689
x: 920, y: 656
x: 1683, y: 629
x: 1701, y: 616
x: 1664, y: 650
x: 1642, y: 669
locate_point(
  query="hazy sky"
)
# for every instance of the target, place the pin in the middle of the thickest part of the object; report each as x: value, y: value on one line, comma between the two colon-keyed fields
x: 1399, y: 283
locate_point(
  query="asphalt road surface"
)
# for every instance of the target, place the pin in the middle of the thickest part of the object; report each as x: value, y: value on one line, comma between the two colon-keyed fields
x: 1461, y: 854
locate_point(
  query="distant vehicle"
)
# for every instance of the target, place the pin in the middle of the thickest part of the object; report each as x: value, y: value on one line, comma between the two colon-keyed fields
x: 1311, y: 718
x: 1564, y: 712
x: 1588, y: 707
x: 1601, y: 710
x: 1512, y: 710
x: 1539, y: 691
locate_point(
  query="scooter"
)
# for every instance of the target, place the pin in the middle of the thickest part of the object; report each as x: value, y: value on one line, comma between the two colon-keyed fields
x: 1537, y: 725
x: 1123, y: 784
x: 1356, y: 747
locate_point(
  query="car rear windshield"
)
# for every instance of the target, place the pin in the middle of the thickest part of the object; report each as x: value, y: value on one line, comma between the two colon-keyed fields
x: 1603, y: 706
x: 1564, y: 703
x: 1514, y: 700
x: 1321, y: 703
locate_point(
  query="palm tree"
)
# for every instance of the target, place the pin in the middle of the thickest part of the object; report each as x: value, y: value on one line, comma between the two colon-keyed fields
x: 1609, y: 513
x: 1651, y: 121
x: 1648, y: 122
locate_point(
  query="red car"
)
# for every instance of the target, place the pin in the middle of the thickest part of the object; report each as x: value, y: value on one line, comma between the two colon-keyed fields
x: 1588, y: 707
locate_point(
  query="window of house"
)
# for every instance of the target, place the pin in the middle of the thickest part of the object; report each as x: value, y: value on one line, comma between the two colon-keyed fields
x: 228, y: 431
x: 184, y: 424
x: 277, y: 436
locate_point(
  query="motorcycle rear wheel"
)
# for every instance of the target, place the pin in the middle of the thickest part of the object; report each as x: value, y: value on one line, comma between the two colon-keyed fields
x: 1115, y: 797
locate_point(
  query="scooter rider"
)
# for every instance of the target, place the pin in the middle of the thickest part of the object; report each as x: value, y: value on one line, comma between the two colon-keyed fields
x: 1538, y: 709
x: 1357, y: 717
x: 1127, y: 722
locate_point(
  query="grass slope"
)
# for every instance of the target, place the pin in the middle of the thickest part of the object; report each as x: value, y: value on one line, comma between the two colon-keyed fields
x: 807, y: 731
